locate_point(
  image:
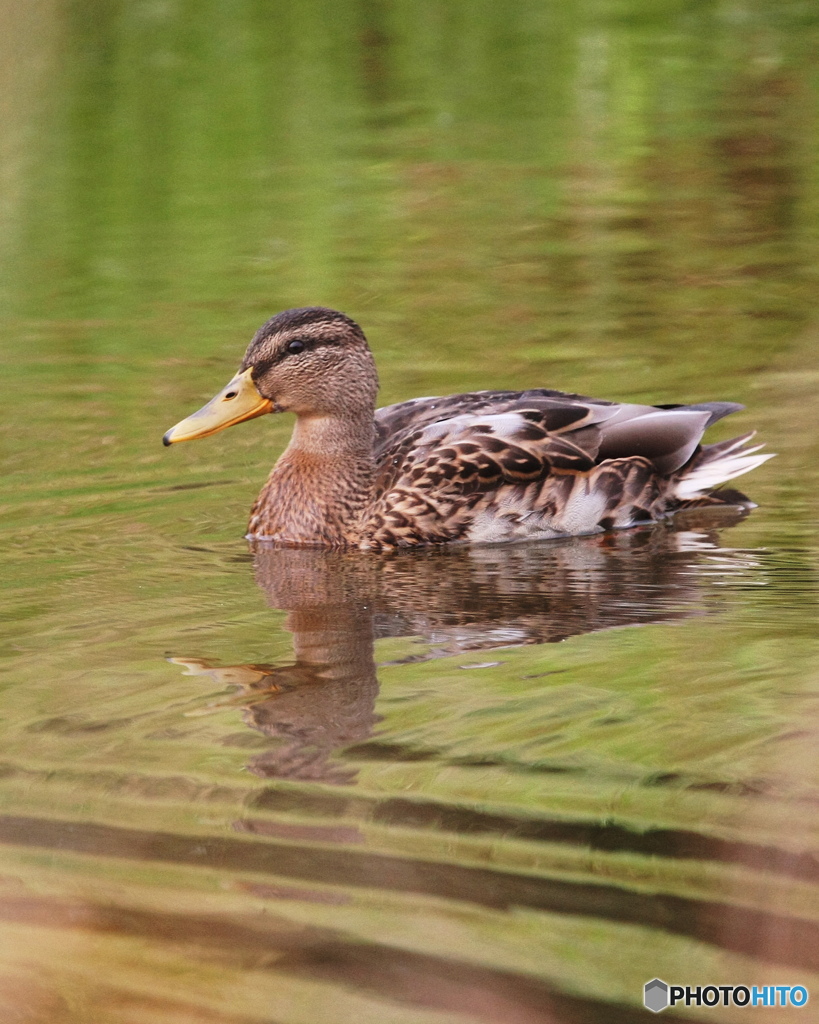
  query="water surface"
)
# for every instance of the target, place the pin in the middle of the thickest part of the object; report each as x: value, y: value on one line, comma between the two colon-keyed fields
x: 501, y: 784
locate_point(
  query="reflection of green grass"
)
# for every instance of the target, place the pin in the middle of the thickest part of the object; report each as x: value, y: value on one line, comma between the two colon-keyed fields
x: 554, y: 178
x: 613, y: 202
x: 619, y: 199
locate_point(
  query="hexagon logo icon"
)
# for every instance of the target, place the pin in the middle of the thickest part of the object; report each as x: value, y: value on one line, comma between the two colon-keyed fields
x: 655, y: 995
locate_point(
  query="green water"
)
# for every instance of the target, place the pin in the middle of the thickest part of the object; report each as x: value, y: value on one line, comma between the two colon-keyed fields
x: 504, y: 785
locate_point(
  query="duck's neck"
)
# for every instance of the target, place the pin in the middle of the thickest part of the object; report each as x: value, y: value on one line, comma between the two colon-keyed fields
x: 318, y: 489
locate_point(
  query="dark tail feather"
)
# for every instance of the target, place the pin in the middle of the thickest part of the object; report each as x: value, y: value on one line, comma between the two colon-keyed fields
x: 717, y: 409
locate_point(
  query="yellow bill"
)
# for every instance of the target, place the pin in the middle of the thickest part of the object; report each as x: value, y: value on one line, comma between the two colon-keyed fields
x: 239, y: 401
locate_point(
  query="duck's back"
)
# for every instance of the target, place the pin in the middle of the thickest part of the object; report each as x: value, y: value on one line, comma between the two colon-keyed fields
x: 494, y: 466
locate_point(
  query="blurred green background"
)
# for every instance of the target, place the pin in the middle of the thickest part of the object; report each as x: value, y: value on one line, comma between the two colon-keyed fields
x: 615, y: 197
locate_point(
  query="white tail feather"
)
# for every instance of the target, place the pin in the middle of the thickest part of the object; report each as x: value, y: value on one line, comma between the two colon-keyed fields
x: 727, y: 465
x: 738, y: 442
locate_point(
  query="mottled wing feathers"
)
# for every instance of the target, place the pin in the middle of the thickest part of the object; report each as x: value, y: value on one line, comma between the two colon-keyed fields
x: 494, y: 465
x: 534, y: 420
x: 552, y: 409
x: 472, y: 452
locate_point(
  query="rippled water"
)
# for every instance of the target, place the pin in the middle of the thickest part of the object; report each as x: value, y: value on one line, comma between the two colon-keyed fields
x: 501, y: 784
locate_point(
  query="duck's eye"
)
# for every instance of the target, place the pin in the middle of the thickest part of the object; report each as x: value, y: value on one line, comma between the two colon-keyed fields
x: 295, y: 346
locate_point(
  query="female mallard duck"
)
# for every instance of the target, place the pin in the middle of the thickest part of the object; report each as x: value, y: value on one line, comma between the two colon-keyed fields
x: 483, y: 467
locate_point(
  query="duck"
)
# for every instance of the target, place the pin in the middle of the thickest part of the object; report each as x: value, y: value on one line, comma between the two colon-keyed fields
x: 484, y: 467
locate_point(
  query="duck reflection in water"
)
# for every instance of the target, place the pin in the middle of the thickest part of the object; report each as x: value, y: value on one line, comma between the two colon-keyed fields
x: 457, y: 599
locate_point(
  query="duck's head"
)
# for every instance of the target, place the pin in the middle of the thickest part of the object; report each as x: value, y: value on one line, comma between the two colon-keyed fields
x: 312, y: 361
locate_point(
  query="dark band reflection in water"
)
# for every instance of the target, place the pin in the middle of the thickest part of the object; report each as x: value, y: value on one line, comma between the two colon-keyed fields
x: 460, y: 599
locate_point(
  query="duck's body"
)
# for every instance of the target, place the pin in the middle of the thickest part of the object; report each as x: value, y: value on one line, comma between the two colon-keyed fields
x: 484, y: 467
